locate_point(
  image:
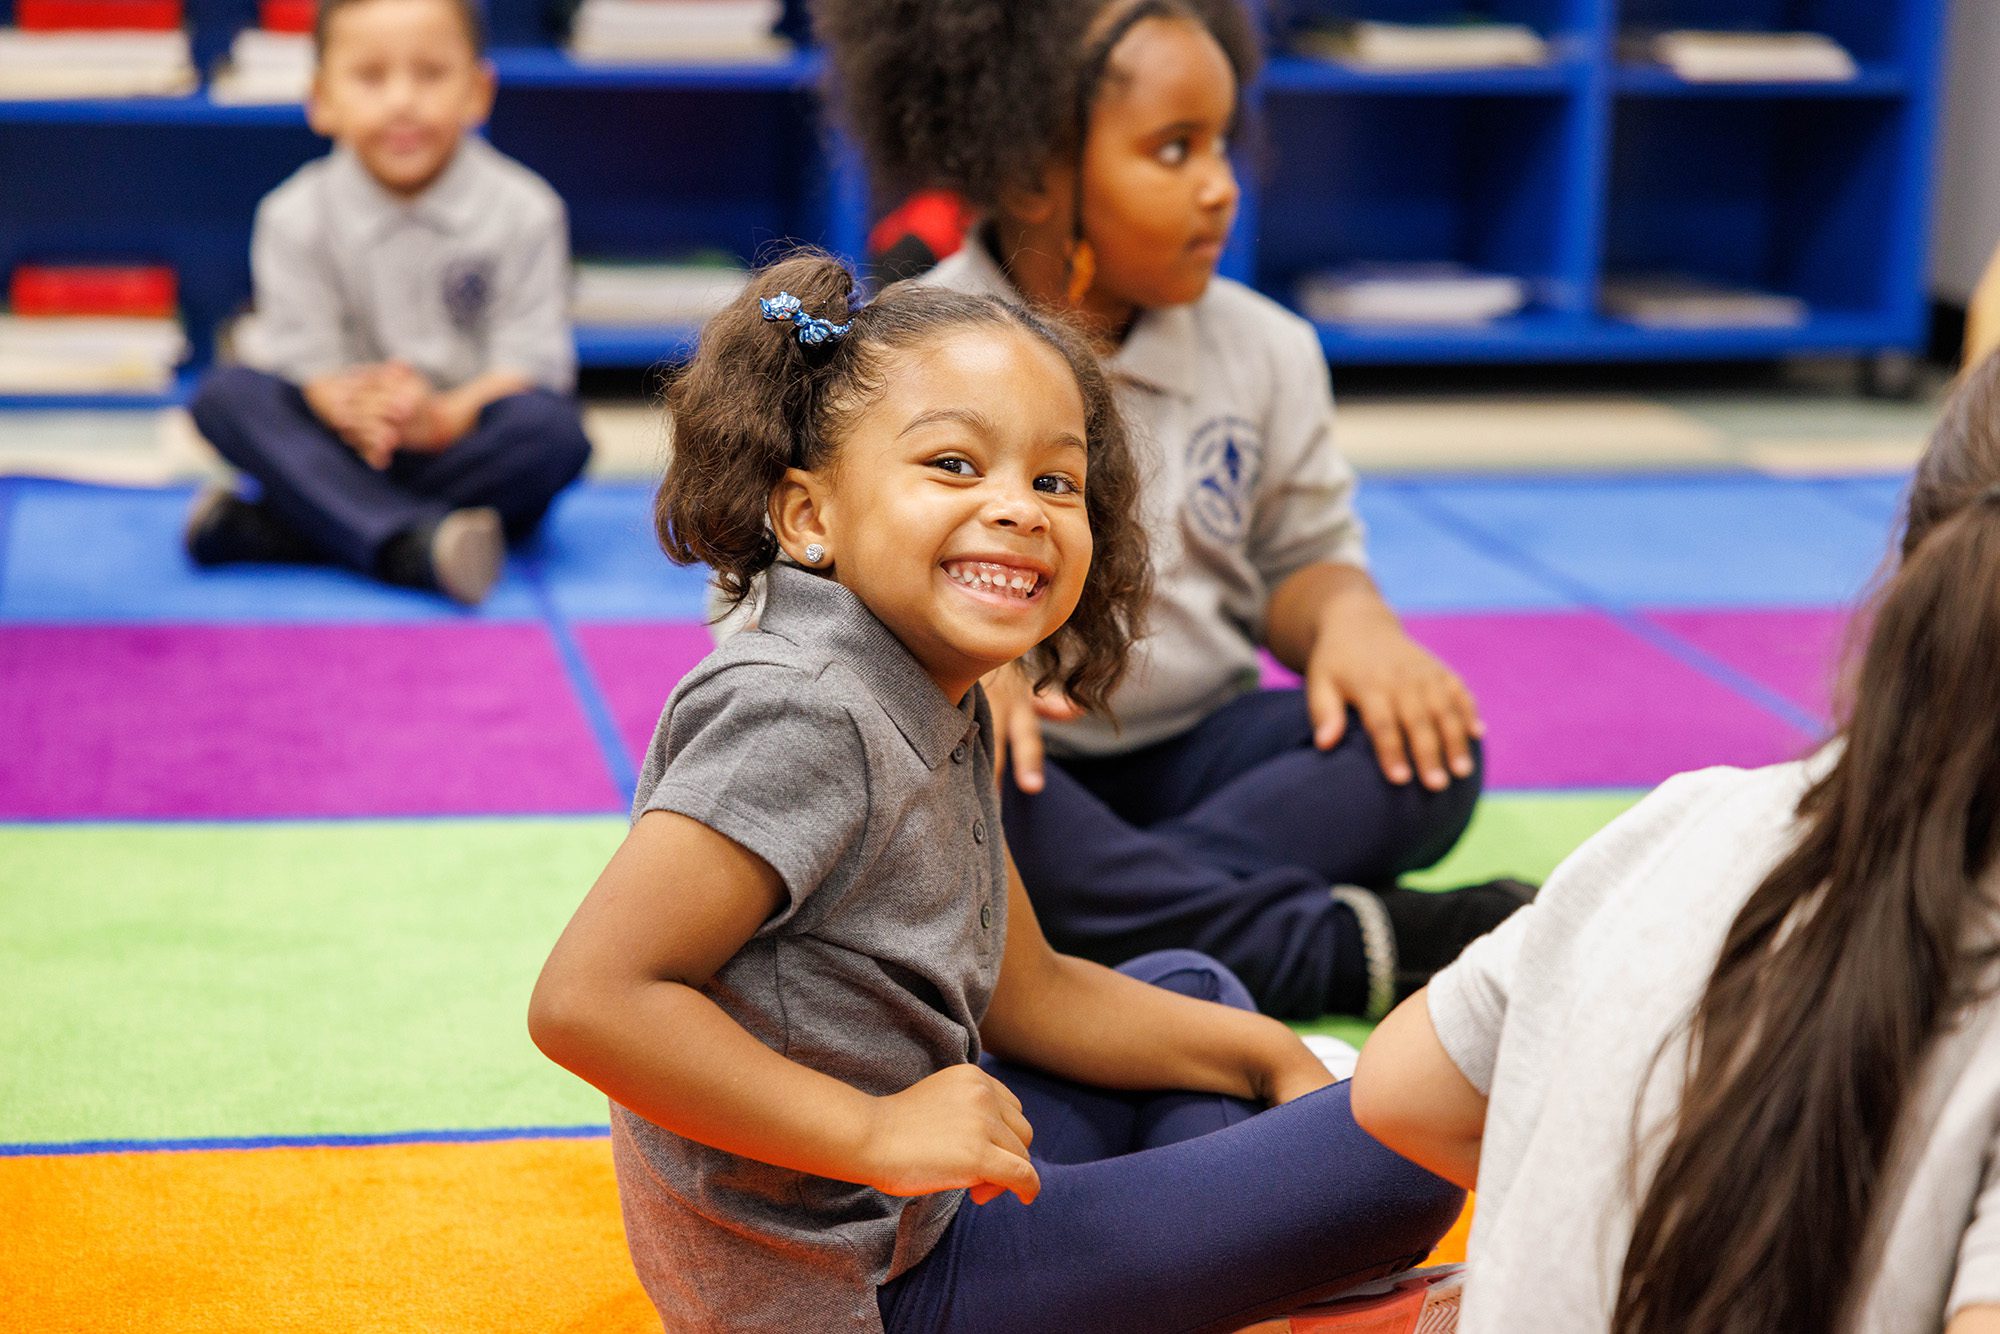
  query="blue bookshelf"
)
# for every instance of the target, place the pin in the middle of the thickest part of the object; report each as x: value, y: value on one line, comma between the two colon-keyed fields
x: 1587, y: 167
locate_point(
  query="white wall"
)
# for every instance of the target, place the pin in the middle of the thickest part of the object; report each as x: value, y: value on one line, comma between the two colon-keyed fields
x: 1968, y: 199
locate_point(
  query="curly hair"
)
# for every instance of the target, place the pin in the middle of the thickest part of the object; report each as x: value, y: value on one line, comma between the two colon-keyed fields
x: 756, y: 401
x: 979, y: 96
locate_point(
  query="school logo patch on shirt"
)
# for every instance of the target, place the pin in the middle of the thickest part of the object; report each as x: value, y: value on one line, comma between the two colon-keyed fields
x: 468, y: 287
x: 1224, y: 458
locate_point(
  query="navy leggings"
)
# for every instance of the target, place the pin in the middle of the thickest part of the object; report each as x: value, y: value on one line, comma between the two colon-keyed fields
x: 1174, y: 1211
x: 1226, y: 839
x: 524, y: 450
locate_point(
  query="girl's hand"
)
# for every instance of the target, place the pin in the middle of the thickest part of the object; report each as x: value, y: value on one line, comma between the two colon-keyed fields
x: 958, y: 1128
x: 1417, y: 711
x: 1018, y: 711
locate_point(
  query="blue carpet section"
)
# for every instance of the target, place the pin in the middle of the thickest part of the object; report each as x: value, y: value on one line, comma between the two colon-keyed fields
x: 71, y: 553
x: 1733, y: 541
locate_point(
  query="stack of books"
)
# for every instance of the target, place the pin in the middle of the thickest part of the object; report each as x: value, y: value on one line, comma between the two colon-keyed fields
x: 1677, y: 301
x: 1409, y: 294
x: 95, y: 48
x: 679, y: 32
x: 1744, y: 57
x: 624, y: 294
x: 1417, y: 47
x: 90, y: 328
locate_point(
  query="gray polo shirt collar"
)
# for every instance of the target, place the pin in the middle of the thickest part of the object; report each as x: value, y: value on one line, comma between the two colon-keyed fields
x: 1158, y: 354
x: 813, y: 610
x: 450, y: 203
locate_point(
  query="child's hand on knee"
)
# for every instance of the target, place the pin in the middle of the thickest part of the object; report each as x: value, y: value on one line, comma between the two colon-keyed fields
x: 1418, y: 712
x: 959, y: 1128
x: 1018, y: 713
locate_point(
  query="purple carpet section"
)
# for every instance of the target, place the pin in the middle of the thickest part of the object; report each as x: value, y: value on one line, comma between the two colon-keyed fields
x: 1793, y: 652
x: 1573, y: 699
x: 211, y: 721
x: 637, y: 665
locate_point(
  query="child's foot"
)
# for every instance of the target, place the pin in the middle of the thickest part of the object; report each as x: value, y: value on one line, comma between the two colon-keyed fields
x: 458, y: 556
x: 1416, y: 1301
x: 1409, y: 934
x: 225, y: 529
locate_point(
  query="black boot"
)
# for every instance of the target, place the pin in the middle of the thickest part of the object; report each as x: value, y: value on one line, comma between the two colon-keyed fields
x: 225, y: 529
x: 459, y: 556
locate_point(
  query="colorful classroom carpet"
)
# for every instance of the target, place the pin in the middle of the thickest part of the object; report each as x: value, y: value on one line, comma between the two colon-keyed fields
x: 281, y: 851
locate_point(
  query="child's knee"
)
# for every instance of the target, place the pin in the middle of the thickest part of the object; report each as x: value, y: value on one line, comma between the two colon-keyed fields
x: 552, y: 423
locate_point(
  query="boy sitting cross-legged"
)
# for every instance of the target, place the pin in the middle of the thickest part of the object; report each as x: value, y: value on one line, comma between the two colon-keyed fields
x: 403, y: 402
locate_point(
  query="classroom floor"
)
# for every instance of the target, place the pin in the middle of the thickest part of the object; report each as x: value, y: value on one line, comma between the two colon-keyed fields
x: 281, y: 851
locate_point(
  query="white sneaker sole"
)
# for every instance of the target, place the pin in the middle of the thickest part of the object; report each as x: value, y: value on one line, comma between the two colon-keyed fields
x: 466, y: 552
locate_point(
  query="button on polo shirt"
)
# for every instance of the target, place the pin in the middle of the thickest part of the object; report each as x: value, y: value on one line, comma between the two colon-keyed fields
x: 819, y: 744
x: 470, y: 275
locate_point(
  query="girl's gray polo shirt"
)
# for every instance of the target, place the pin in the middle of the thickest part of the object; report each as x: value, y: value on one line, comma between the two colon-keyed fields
x: 817, y: 742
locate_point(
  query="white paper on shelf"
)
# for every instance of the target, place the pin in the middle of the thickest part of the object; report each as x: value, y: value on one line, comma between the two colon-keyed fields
x: 1678, y: 301
x: 1747, y: 57
x: 765, y: 50
x: 629, y: 295
x: 1409, y: 294
x: 694, y: 20
x: 50, y: 65
x: 264, y: 68
x: 1427, y: 46
x: 88, y: 354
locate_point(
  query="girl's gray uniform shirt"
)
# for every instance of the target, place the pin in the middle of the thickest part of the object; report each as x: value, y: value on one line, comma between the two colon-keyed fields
x: 1556, y: 1016
x: 817, y: 742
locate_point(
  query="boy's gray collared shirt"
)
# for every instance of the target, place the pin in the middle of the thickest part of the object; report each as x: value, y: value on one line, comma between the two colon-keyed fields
x: 1242, y: 487
x: 471, y: 275
x: 818, y: 743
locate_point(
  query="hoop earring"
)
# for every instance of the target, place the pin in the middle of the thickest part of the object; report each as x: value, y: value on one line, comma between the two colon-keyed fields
x: 815, y: 553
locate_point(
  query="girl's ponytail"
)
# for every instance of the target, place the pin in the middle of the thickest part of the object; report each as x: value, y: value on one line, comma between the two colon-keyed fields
x: 1852, y: 955
x: 744, y: 410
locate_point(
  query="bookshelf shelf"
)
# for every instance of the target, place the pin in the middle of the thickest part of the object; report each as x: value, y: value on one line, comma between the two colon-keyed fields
x: 1558, y: 174
x: 1655, y: 81
x: 1300, y: 75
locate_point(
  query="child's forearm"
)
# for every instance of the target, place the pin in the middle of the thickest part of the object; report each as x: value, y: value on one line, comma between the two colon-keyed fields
x: 669, y: 1053
x: 1302, y: 607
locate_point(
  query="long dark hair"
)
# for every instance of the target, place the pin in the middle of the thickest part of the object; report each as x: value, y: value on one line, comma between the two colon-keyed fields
x: 756, y: 400
x: 1851, y: 956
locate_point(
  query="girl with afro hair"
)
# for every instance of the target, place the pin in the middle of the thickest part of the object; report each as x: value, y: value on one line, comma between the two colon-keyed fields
x: 1264, y: 827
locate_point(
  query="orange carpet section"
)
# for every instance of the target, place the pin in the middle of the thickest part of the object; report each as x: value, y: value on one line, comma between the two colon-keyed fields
x: 516, y: 1236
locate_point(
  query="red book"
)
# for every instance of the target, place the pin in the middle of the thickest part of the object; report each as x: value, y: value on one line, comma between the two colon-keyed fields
x: 93, y: 289
x: 287, y: 15
x: 70, y: 15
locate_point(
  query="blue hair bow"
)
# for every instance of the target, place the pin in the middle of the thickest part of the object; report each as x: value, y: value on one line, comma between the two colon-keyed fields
x: 812, y: 330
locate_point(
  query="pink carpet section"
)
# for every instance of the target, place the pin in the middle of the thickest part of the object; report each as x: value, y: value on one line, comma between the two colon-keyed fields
x: 637, y: 666
x: 1793, y: 652
x: 1572, y: 699
x: 230, y: 722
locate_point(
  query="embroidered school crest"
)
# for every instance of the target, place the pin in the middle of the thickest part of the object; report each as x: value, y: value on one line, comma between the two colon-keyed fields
x: 1224, y: 459
x: 468, y: 286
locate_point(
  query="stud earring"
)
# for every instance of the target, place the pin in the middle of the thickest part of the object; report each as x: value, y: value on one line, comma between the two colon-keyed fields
x: 815, y: 553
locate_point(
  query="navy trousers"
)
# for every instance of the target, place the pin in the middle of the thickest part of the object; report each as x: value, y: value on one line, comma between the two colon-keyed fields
x: 1176, y: 1211
x: 1226, y: 839
x: 523, y: 451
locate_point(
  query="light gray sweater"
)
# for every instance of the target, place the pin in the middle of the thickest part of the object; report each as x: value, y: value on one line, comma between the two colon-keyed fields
x: 1556, y: 1016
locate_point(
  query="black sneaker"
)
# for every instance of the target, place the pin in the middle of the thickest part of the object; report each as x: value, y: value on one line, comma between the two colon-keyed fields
x: 459, y: 556
x: 1409, y: 934
x: 225, y: 529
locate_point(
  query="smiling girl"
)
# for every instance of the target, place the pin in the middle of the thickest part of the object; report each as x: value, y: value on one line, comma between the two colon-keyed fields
x: 810, y: 980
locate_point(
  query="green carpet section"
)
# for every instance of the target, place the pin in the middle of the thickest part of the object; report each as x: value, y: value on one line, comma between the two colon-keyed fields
x: 182, y: 981
x: 168, y: 981
x: 1522, y: 835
